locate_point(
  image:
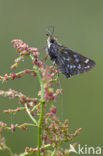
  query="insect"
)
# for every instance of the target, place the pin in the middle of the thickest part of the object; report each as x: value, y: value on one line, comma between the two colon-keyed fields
x: 70, y: 63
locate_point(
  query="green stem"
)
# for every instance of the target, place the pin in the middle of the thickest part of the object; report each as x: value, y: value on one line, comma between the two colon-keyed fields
x: 42, y: 112
x: 39, y: 129
x: 30, y: 114
x: 27, y: 154
x: 9, y: 150
x: 53, y: 153
x: 36, y: 106
x: 20, y: 126
x: 42, y: 106
x: 27, y: 124
x: 19, y: 73
x: 24, y: 154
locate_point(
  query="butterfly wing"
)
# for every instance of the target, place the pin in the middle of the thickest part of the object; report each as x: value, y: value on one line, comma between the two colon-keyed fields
x: 72, y: 63
x: 59, y: 61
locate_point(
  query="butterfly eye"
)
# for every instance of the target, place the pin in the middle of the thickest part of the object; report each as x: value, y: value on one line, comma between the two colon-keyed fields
x: 52, y: 41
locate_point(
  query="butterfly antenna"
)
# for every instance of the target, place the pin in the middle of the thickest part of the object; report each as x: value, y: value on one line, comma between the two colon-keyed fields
x: 50, y: 30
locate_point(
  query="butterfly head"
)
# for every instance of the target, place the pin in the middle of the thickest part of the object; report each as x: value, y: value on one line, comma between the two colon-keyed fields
x: 51, y: 39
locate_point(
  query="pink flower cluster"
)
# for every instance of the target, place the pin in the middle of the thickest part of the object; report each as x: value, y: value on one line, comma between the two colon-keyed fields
x: 18, y: 95
x: 13, y: 76
x: 13, y: 127
x: 24, y: 50
x: 52, y: 132
x: 48, y: 77
x: 56, y: 132
x: 20, y: 46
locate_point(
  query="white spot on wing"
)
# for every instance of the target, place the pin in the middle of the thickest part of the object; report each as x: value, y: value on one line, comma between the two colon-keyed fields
x: 74, y: 66
x: 68, y: 59
x: 77, y: 60
x: 87, y: 67
x: 75, y: 55
x: 86, y: 61
x: 70, y: 66
x: 79, y: 66
x: 65, y: 52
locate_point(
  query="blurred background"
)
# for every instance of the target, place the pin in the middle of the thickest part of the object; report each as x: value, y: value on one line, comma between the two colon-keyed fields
x: 79, y: 26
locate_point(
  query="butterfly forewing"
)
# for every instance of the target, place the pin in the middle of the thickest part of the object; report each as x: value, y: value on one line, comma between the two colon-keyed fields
x: 74, y: 62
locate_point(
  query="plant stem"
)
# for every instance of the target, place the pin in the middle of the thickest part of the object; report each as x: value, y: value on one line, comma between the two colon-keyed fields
x: 9, y: 150
x: 41, y: 113
x: 53, y: 153
x: 36, y: 106
x: 42, y: 106
x: 30, y: 114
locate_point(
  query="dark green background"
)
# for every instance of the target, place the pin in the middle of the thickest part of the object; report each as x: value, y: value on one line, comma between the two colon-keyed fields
x: 78, y: 25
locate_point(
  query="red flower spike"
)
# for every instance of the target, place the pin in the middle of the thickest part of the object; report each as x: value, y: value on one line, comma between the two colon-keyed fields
x: 19, y: 59
x: 6, y: 77
x: 20, y: 45
x: 12, y: 127
x: 24, y: 127
x: 53, y: 110
x: 32, y: 49
x: 27, y: 71
x: 14, y: 66
x: 34, y: 74
x: 28, y: 53
x: 13, y: 76
x: 3, y: 124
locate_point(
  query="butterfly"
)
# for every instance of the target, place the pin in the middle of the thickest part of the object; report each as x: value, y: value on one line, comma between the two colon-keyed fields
x: 70, y: 63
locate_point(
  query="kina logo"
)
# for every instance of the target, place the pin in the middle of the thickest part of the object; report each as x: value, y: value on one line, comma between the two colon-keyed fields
x: 82, y: 150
